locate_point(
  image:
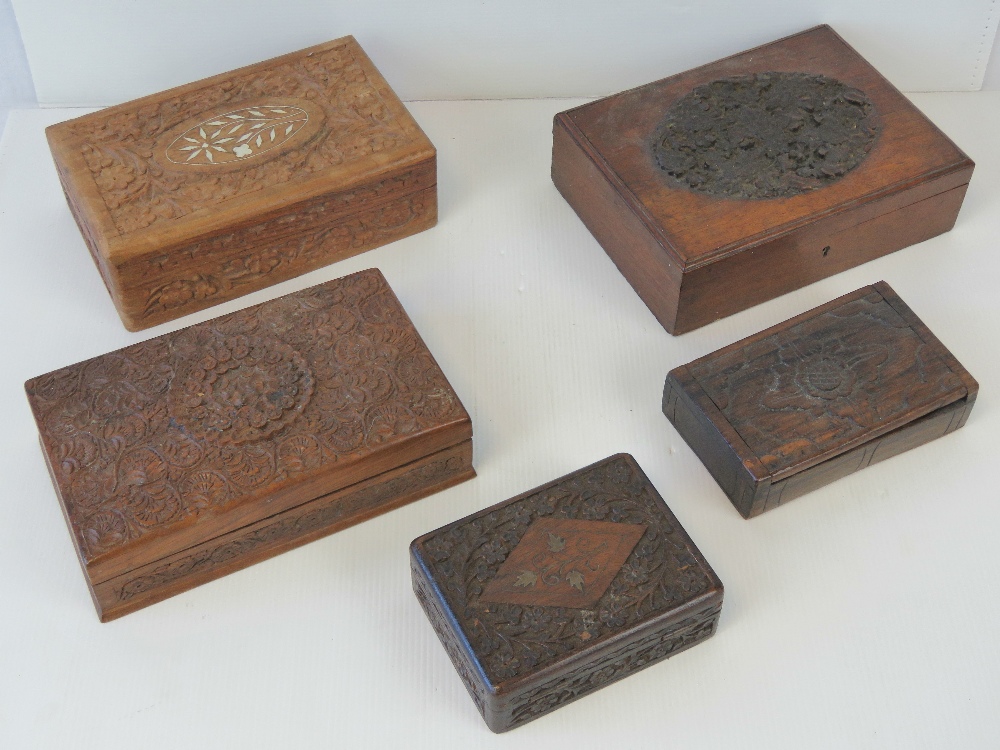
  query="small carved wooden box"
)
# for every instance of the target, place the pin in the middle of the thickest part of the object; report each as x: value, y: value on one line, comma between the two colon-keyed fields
x: 818, y: 397
x: 555, y: 593
x: 203, y: 193
x: 733, y: 183
x: 200, y: 452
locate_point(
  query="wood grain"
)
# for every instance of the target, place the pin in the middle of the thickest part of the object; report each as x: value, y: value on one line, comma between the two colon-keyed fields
x: 555, y: 593
x: 295, y: 162
x: 198, y: 433
x: 817, y: 397
x: 694, y: 257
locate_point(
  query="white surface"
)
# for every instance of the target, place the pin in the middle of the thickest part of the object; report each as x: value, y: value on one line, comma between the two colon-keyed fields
x: 107, y: 51
x: 16, y: 89
x: 863, y: 615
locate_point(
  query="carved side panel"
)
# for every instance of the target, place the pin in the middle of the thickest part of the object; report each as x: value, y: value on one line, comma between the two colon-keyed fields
x: 619, y: 663
x: 267, y: 538
x: 443, y: 630
x: 260, y: 255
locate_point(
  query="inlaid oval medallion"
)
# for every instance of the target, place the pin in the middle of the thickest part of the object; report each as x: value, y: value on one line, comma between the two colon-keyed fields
x: 769, y: 135
x: 238, y: 135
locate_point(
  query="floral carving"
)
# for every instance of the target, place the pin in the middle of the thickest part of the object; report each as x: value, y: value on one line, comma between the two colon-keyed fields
x: 143, y: 180
x: 265, y: 253
x: 661, y: 571
x: 824, y: 382
x: 297, y: 523
x: 242, y: 389
x: 769, y: 135
x: 223, y: 412
x: 624, y: 660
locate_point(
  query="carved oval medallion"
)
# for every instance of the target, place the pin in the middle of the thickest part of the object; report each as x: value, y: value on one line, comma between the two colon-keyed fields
x: 237, y: 135
x: 244, y: 389
x: 770, y: 135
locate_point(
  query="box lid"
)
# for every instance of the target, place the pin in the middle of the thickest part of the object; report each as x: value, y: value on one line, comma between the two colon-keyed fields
x: 742, y: 150
x: 827, y: 381
x: 195, y: 160
x: 192, y: 434
x: 560, y: 573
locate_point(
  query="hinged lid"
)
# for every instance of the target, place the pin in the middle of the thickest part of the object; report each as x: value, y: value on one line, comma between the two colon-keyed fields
x: 827, y: 381
x: 173, y: 441
x: 734, y: 153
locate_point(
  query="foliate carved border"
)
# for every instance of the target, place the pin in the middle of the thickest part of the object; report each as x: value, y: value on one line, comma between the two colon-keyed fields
x: 262, y: 261
x: 621, y: 662
x: 339, y: 507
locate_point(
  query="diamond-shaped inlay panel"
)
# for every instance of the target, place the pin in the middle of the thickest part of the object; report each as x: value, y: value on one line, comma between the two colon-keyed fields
x: 562, y: 562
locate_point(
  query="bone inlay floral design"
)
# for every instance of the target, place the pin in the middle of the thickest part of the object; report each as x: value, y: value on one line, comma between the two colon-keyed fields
x: 237, y: 135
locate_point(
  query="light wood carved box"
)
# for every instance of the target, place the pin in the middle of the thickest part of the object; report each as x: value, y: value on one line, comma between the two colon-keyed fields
x: 203, y: 193
x: 799, y: 405
x: 560, y: 591
x: 730, y: 184
x: 190, y: 455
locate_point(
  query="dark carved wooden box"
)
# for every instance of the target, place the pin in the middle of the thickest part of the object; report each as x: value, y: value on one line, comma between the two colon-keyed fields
x: 200, y: 452
x: 555, y: 593
x: 733, y: 183
x: 203, y: 193
x: 790, y: 409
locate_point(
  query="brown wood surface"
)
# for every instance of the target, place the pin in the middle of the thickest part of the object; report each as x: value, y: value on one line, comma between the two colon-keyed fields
x: 550, y: 595
x: 284, y: 531
x: 198, y: 433
x: 170, y: 238
x: 817, y: 397
x: 694, y: 257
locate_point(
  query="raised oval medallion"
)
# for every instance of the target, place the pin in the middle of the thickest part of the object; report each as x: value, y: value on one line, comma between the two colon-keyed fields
x: 237, y: 135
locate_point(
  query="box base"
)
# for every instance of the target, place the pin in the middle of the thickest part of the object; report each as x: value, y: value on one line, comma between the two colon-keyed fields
x: 272, y: 536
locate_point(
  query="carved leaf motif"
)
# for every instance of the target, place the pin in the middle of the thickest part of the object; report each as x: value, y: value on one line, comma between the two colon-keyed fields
x: 227, y: 410
x: 512, y: 640
x: 575, y: 579
x: 526, y: 578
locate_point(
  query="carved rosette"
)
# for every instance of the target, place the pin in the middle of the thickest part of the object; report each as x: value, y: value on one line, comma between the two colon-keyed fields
x: 229, y: 409
x: 769, y: 135
x: 563, y: 538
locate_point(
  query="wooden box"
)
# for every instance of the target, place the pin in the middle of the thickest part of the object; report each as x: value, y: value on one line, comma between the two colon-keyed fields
x: 200, y: 452
x: 818, y: 397
x: 733, y: 183
x: 203, y: 193
x: 555, y: 593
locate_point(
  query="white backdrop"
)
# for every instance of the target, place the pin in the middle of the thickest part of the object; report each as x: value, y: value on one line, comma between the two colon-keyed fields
x: 105, y: 51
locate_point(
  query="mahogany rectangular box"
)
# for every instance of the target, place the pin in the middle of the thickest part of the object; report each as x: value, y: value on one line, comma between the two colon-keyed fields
x: 559, y: 591
x: 733, y: 183
x: 211, y: 190
x: 827, y: 393
x: 202, y: 451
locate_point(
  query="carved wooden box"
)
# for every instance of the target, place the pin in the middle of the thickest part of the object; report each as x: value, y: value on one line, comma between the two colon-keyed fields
x: 736, y: 182
x: 200, y: 452
x: 555, y: 593
x: 203, y: 193
x: 797, y: 406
